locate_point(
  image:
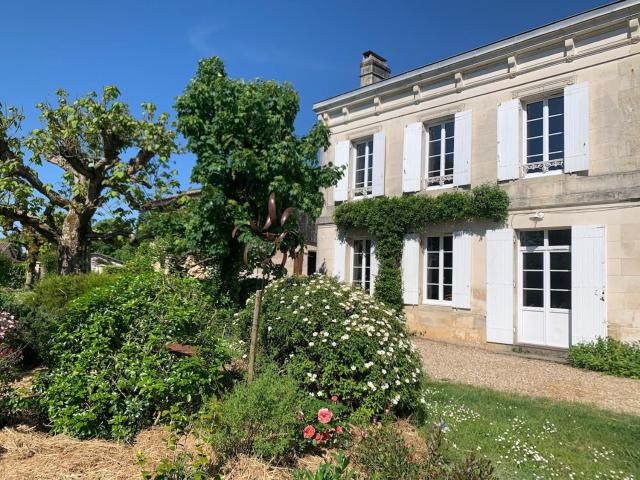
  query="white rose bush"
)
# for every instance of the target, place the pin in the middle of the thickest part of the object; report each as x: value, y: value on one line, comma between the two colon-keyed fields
x: 338, y: 342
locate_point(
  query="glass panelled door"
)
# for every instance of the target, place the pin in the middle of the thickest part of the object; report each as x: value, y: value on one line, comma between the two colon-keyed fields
x: 545, y: 287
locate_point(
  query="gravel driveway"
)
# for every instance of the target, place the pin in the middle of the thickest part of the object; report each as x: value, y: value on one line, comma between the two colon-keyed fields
x: 538, y: 378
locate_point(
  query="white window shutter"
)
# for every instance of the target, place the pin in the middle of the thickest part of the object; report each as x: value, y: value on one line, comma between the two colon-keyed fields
x: 378, y: 164
x: 339, y: 258
x: 374, y: 266
x: 412, y: 159
x: 461, y: 270
x: 576, y: 127
x: 341, y: 190
x: 462, y: 149
x: 588, y: 280
x: 499, y: 285
x: 509, y: 140
x: 411, y: 268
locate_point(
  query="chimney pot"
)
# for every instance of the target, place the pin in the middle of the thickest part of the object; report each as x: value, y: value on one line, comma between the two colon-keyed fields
x: 373, y: 68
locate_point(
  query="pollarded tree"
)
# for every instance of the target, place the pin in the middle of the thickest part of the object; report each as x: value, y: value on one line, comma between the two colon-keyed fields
x: 243, y: 136
x: 87, y: 139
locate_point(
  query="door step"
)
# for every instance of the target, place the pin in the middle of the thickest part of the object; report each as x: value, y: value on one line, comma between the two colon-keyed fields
x: 537, y: 353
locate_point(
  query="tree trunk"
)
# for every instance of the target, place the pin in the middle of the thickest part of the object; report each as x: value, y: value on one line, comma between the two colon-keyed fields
x: 74, y: 246
x: 33, y: 252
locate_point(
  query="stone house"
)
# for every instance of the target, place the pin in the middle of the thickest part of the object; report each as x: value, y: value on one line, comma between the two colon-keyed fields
x: 552, y: 116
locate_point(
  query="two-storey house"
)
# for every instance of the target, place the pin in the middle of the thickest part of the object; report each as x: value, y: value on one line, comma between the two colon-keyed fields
x: 552, y: 116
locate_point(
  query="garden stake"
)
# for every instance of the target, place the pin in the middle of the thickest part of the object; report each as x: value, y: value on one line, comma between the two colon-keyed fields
x: 254, y: 334
x: 275, y: 239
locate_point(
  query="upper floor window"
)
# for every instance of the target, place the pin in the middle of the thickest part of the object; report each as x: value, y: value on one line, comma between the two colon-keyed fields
x: 439, y: 260
x: 361, y: 273
x: 363, y: 171
x: 544, y: 131
x: 440, y: 154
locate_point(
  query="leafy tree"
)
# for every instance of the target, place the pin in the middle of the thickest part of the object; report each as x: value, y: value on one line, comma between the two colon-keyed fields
x: 87, y: 139
x: 243, y: 136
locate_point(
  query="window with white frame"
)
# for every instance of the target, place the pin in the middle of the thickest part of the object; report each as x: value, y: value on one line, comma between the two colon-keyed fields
x: 544, y: 136
x: 361, y: 272
x: 439, y: 269
x: 440, y: 154
x: 363, y: 168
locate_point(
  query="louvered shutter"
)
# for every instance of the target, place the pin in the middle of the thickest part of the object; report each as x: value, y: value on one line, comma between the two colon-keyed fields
x: 576, y: 127
x: 374, y: 266
x: 462, y: 149
x: 500, y: 285
x: 461, y: 269
x: 509, y: 140
x: 411, y: 268
x: 588, y: 279
x: 412, y: 158
x: 340, y: 258
x: 378, y: 164
x: 341, y: 190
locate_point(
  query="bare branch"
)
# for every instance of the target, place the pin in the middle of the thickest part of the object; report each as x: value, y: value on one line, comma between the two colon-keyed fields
x: 140, y: 161
x: 48, y: 231
x: 70, y: 162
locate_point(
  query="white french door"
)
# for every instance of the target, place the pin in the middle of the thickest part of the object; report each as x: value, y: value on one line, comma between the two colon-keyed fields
x: 545, y: 287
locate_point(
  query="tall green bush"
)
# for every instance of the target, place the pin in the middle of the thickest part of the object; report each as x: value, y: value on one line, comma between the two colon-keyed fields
x: 53, y: 293
x: 112, y: 373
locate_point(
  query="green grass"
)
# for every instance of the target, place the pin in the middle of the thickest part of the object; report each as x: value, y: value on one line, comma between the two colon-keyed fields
x: 530, y: 438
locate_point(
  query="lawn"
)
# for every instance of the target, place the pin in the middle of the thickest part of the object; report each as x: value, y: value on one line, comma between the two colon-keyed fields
x: 530, y: 438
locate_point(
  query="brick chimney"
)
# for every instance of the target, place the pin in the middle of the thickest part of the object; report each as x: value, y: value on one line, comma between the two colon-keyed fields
x: 373, y: 68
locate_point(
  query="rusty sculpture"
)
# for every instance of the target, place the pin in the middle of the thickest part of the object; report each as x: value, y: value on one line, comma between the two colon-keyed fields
x: 262, y: 232
x: 266, y: 262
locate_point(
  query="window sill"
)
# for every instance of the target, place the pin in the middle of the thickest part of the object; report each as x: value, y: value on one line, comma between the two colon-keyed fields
x: 543, y: 174
x: 438, y: 303
x: 439, y: 187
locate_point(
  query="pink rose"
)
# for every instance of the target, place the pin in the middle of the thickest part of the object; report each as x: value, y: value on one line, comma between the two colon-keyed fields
x: 309, y: 432
x: 334, y: 399
x: 324, y: 415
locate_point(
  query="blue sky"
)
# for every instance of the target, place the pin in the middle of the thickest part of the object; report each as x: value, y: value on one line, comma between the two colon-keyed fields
x: 149, y: 49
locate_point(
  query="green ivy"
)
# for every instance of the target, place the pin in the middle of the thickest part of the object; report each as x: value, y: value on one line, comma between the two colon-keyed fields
x: 388, y: 219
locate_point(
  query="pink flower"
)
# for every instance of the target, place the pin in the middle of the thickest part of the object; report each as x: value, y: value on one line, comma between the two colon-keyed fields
x: 309, y: 432
x: 324, y: 415
x: 338, y: 429
x: 334, y: 399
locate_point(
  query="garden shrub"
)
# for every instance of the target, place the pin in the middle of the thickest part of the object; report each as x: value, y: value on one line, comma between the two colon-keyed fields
x: 34, y: 328
x: 607, y: 355
x: 273, y: 419
x: 383, y: 454
x: 112, y: 373
x: 53, y: 293
x: 9, y: 361
x: 261, y: 419
x: 336, y: 340
x: 12, y: 274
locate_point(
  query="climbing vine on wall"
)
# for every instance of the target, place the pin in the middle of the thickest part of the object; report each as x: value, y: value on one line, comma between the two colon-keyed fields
x: 388, y: 219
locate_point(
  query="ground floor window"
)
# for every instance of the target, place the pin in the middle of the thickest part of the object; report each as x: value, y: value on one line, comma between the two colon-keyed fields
x: 439, y: 268
x: 361, y: 273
